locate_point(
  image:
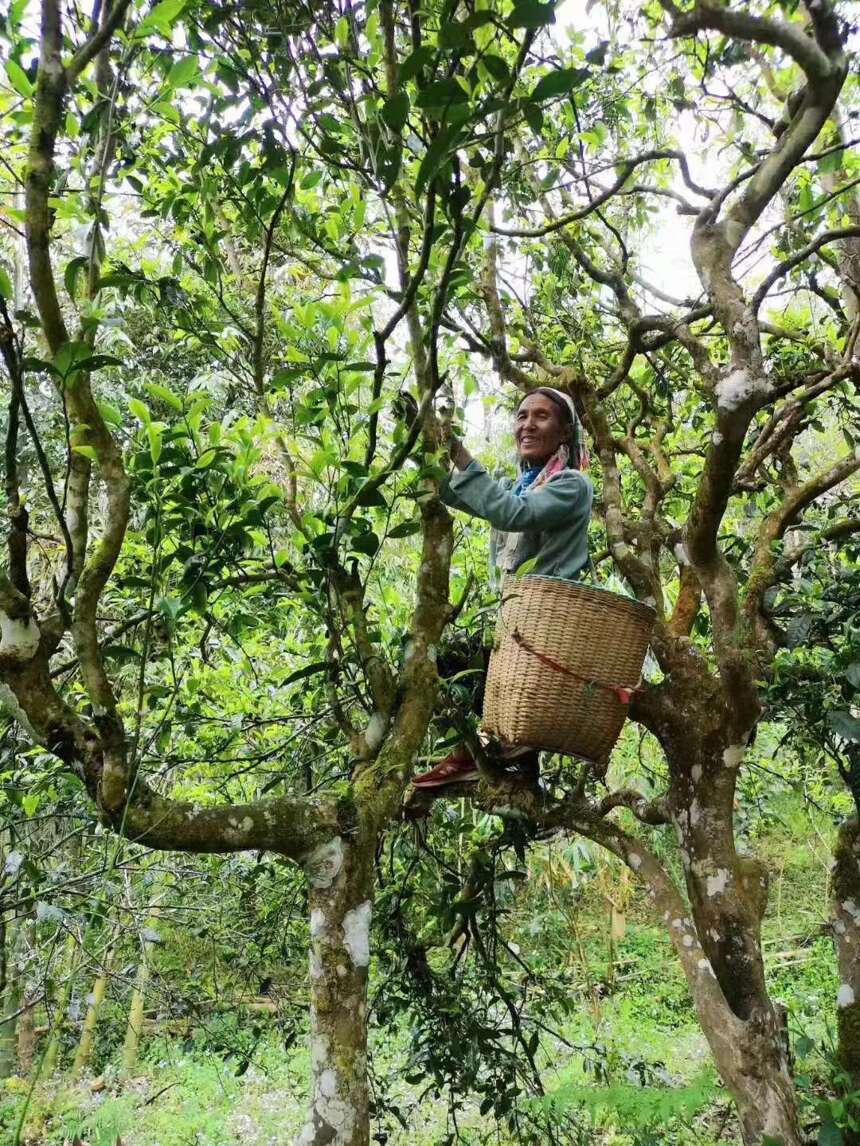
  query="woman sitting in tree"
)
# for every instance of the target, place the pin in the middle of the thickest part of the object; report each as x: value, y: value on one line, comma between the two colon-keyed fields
x: 542, y: 518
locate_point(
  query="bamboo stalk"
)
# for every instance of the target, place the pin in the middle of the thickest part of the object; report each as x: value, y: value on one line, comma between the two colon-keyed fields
x: 88, y: 1034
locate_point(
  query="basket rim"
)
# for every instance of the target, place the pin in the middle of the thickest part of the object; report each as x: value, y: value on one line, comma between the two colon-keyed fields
x: 647, y: 611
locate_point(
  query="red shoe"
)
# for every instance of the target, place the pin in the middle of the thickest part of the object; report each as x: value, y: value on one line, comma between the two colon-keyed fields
x: 459, y: 768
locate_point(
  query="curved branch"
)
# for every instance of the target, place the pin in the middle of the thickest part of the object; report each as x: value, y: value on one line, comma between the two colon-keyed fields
x: 627, y: 166
x: 798, y: 257
x: 113, y: 18
x: 763, y: 570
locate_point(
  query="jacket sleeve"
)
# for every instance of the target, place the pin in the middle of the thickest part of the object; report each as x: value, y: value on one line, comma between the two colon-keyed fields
x: 448, y: 497
x: 546, y: 508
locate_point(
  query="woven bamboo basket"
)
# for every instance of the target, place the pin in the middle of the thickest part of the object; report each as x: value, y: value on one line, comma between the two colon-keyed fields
x: 565, y: 661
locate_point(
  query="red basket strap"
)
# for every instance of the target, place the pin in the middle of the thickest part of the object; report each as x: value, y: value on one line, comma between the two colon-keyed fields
x: 623, y: 693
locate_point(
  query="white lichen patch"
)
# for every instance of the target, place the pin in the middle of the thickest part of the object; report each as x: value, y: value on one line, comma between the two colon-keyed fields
x: 323, y: 864
x: 319, y: 1050
x: 733, y: 755
x: 716, y: 437
x: 635, y: 861
x: 696, y: 773
x: 330, y: 1109
x: 356, y: 934
x: 681, y: 554
x: 328, y: 1084
x: 317, y: 922
x: 316, y: 967
x: 375, y: 731
x: 737, y: 387
x: 845, y: 995
x: 18, y: 638
x: 851, y: 908
x: 716, y: 884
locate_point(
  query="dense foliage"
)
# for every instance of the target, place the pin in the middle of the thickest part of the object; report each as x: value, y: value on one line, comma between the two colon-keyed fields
x: 254, y: 259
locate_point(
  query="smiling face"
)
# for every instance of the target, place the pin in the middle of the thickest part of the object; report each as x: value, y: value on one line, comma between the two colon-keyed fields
x: 539, y: 429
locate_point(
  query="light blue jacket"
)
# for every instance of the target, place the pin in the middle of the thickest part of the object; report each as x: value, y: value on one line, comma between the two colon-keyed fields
x: 551, y: 522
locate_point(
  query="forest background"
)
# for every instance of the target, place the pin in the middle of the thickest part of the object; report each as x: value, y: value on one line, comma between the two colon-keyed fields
x: 233, y: 236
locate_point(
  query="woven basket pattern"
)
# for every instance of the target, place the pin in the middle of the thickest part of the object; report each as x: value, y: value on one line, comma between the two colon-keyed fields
x: 599, y: 636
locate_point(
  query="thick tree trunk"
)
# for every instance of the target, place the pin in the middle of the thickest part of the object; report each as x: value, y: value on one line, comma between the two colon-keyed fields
x: 727, y: 893
x: 846, y: 930
x: 753, y: 1064
x: 340, y: 897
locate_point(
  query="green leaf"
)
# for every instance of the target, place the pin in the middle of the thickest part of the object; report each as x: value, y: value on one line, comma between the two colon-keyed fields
x: 371, y: 497
x: 19, y: 79
x: 162, y: 394
x: 405, y: 529
x: 441, y: 93
x: 97, y: 362
x: 455, y: 36
x: 110, y: 413
x: 497, y: 67
x: 86, y: 452
x: 558, y: 83
x: 30, y: 803
x: 184, y: 73
x: 154, y: 434
x: 6, y: 289
x: 531, y: 14
x: 69, y: 357
x: 161, y: 19
x: 38, y: 366
x: 829, y: 1134
x: 435, y: 156
x: 413, y: 63
x: 533, y: 117
x: 395, y: 110
x: 140, y: 411
x: 71, y: 273
x: 367, y: 543
x: 305, y: 671
x: 341, y: 32
x: 852, y: 674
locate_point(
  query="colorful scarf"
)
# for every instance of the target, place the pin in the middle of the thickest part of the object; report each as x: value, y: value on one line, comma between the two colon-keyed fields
x: 532, y: 477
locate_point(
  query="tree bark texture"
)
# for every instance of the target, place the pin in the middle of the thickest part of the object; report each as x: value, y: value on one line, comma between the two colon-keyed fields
x: 846, y: 930
x: 340, y: 901
x: 727, y: 893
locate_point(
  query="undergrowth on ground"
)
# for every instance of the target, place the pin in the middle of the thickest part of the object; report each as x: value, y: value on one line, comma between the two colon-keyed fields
x: 629, y: 1064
